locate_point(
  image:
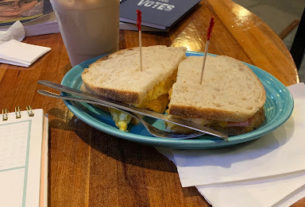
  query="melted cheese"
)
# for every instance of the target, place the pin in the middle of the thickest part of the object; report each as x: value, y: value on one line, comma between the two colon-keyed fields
x: 120, y: 118
x: 158, y: 105
x: 156, y: 100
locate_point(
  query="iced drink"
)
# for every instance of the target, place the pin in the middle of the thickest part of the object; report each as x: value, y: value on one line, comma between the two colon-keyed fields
x: 88, y: 27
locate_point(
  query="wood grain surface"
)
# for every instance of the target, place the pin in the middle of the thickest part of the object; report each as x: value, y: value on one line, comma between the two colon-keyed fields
x: 90, y: 168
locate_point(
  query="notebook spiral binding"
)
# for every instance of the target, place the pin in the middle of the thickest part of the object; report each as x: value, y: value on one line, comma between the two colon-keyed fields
x: 17, y: 113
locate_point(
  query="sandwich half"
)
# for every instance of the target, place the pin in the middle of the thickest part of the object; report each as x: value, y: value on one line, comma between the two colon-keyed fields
x: 230, y: 98
x: 119, y: 77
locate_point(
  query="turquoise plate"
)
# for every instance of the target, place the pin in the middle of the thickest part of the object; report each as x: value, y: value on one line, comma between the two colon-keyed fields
x: 278, y: 108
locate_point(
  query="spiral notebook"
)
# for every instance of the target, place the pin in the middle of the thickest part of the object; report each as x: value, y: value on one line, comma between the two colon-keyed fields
x: 23, y: 158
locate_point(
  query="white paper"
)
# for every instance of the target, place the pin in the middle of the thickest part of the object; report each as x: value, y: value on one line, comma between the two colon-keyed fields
x: 260, y: 192
x: 19, y: 53
x: 14, y: 52
x: 20, y: 159
x: 279, y: 152
x: 267, y: 172
x: 16, y: 31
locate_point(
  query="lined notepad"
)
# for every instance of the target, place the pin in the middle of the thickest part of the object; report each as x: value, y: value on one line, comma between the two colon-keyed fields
x: 22, y: 162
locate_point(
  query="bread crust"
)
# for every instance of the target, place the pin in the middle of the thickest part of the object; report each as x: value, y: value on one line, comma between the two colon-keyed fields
x: 117, y: 95
x: 207, y: 113
x: 255, y: 121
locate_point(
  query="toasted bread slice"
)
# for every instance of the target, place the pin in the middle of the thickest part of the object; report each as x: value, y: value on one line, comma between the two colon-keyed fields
x: 229, y: 94
x: 119, y: 76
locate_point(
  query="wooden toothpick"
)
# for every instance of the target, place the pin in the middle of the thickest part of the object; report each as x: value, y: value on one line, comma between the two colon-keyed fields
x: 139, y: 22
x: 206, y: 47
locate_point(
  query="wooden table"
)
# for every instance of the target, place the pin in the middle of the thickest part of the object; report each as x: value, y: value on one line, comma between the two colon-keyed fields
x: 90, y: 168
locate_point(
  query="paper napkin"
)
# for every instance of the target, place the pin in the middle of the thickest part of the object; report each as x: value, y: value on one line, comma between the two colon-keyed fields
x: 269, y: 171
x: 21, y: 54
x: 280, y: 191
x: 14, y: 52
x: 16, y: 31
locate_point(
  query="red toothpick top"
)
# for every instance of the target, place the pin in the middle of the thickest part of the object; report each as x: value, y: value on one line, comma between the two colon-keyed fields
x: 210, y: 28
x: 139, y: 19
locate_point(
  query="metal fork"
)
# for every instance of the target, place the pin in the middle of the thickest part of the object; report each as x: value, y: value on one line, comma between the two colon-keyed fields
x: 148, y: 126
x: 131, y: 109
